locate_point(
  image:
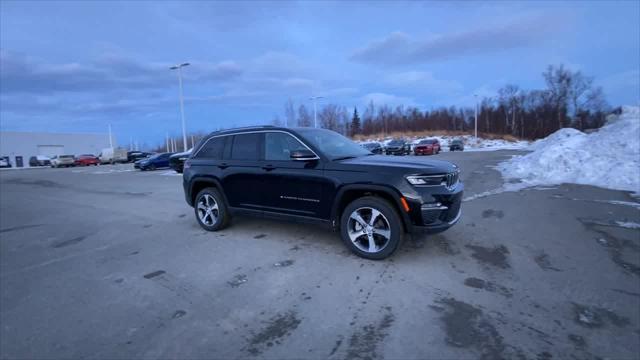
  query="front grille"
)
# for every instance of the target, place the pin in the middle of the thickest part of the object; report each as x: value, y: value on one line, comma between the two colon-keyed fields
x: 451, y: 179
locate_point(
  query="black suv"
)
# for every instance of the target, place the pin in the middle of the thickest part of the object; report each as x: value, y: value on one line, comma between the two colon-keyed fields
x: 398, y: 147
x: 317, y: 175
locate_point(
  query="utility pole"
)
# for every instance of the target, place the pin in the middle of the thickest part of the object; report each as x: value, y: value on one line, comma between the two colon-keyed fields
x: 193, y: 142
x: 315, y: 110
x: 167, y: 139
x: 110, y: 138
x: 184, y: 129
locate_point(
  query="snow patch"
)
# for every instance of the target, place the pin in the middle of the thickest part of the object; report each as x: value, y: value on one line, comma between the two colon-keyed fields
x: 608, y: 158
x: 628, y: 224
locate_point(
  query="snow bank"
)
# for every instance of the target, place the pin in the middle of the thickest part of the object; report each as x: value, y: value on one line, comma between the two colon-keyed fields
x: 608, y: 158
x: 470, y: 143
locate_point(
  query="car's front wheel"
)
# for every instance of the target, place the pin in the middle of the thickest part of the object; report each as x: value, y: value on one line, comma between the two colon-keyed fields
x: 211, y: 210
x: 371, y: 228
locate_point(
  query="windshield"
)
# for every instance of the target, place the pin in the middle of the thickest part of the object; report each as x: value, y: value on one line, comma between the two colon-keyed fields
x: 396, y: 143
x: 332, y: 144
x: 427, y: 142
x: 370, y: 146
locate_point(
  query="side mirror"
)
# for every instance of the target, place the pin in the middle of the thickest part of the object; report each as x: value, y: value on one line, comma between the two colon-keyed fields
x: 303, y: 155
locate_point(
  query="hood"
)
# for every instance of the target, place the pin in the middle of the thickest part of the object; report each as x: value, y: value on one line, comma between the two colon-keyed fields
x: 411, y: 164
x: 182, y: 154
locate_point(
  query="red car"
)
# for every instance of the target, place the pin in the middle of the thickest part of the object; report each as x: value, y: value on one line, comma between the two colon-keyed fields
x: 86, y: 160
x: 427, y: 147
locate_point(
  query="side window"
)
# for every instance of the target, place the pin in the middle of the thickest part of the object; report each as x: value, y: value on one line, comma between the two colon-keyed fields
x: 212, y: 149
x: 278, y: 146
x: 246, y: 147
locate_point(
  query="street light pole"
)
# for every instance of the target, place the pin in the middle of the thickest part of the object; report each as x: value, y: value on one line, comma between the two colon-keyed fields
x: 315, y: 111
x: 476, y: 121
x: 184, y: 129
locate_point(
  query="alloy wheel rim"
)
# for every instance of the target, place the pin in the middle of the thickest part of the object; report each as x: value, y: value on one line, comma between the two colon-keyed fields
x: 368, y: 230
x: 208, y: 210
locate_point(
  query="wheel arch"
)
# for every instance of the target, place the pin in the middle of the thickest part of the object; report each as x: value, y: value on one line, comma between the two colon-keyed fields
x: 349, y: 193
x: 202, y: 182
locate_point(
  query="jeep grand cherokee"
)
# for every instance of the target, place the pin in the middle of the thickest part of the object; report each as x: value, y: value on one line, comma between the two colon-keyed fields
x: 317, y: 175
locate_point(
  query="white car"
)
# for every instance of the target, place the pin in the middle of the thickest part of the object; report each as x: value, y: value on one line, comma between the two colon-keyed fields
x: 63, y: 160
x: 4, y: 162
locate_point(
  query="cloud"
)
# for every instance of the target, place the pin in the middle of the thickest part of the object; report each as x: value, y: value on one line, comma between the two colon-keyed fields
x: 425, y: 81
x: 399, y: 48
x: 23, y: 74
x: 387, y: 99
x: 627, y: 80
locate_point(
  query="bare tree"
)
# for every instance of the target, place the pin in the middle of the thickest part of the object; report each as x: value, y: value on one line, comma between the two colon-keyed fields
x: 304, y: 118
x: 289, y: 113
x: 558, y: 81
x: 579, y: 87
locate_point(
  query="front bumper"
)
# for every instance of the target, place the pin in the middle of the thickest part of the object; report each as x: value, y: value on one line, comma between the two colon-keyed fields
x: 396, y: 151
x: 437, y: 209
x: 427, y: 151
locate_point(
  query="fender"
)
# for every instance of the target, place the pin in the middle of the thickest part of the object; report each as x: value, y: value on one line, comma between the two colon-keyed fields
x: 393, y: 193
x: 205, y: 179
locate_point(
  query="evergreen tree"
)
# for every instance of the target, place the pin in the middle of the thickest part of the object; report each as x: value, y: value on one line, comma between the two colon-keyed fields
x: 355, y: 123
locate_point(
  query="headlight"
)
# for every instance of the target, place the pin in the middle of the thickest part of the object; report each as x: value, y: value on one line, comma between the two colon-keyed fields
x: 426, y: 180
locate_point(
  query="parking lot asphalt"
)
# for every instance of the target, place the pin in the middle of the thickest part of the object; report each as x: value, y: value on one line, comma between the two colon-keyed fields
x: 107, y: 262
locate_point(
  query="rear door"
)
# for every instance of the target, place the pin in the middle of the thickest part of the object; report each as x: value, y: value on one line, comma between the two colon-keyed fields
x: 290, y: 186
x: 242, y: 176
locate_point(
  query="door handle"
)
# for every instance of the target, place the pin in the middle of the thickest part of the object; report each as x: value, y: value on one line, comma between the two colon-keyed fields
x: 268, y: 167
x: 223, y: 165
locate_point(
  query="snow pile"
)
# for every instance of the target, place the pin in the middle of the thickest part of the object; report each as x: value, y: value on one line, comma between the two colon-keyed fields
x: 470, y: 143
x: 562, y: 135
x: 608, y: 158
x: 473, y: 144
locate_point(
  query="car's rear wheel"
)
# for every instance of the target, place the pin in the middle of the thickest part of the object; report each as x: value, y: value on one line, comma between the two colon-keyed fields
x: 211, y: 210
x: 371, y: 228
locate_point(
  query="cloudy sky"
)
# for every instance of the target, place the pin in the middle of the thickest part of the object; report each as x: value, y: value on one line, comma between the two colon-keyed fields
x: 78, y: 66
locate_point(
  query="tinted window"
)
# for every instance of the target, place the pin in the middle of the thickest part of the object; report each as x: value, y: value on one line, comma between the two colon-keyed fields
x: 246, y: 147
x: 332, y: 144
x: 212, y: 149
x: 278, y: 146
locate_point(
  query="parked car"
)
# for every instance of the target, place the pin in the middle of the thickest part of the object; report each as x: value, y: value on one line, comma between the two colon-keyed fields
x: 427, y: 147
x: 375, y: 147
x: 456, y: 144
x: 39, y: 160
x: 133, y: 156
x: 62, y: 160
x: 113, y: 156
x: 5, y: 162
x: 154, y: 162
x: 319, y: 176
x: 86, y: 160
x: 397, y: 147
x: 176, y: 161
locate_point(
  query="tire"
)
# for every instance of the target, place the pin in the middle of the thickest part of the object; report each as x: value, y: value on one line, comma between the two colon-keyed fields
x: 210, y: 198
x: 387, y: 221
x: 152, y: 167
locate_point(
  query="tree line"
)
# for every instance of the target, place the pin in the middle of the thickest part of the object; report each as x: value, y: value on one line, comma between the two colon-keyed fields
x: 570, y: 99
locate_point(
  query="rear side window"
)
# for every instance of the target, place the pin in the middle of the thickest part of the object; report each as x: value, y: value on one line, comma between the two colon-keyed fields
x: 212, y: 149
x: 246, y: 147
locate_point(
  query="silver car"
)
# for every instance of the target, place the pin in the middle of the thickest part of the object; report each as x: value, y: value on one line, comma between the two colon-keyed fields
x: 62, y: 160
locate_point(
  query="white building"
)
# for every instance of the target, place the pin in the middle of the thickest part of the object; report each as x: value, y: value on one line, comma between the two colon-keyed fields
x: 27, y: 144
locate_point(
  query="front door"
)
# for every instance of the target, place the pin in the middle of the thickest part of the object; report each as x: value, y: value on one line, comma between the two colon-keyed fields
x: 291, y: 187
